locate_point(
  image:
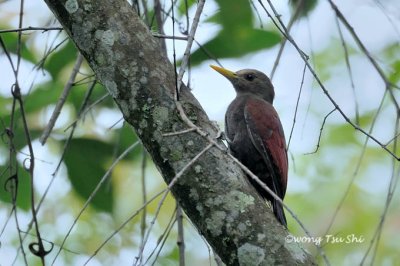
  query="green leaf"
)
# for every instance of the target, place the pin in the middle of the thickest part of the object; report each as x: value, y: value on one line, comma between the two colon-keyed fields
x: 7, y: 184
x: 5, y: 103
x: 87, y: 161
x: 235, y: 43
x: 233, y: 14
x: 391, y: 53
x: 11, y: 42
x: 237, y: 37
x: 60, y: 59
x: 306, y: 6
x: 182, y: 6
x: 126, y: 137
x: 342, y: 135
x: 42, y: 96
x: 394, y: 76
x: 18, y: 132
x: 331, y: 57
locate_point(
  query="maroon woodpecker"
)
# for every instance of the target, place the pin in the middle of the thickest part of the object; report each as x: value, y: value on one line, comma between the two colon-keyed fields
x: 254, y: 133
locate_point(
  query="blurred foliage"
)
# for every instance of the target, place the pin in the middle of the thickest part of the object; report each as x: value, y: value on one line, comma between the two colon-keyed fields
x: 21, y: 184
x: 96, y: 155
x: 56, y: 62
x: 11, y: 40
x: 235, y: 44
x: 305, y: 6
x: 391, y: 55
x: 184, y: 5
x: 237, y: 37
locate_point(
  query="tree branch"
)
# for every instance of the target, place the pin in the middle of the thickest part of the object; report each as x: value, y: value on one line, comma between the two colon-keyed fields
x: 213, y: 191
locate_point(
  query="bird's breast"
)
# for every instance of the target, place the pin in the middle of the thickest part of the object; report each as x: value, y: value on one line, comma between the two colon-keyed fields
x: 236, y: 130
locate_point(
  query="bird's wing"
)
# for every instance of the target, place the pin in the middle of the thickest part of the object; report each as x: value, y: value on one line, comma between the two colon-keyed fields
x: 266, y: 133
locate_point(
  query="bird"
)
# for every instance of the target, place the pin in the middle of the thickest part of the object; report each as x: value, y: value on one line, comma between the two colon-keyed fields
x: 255, y: 135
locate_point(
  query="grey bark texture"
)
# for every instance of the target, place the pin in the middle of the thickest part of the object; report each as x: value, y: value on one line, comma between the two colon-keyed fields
x: 213, y: 191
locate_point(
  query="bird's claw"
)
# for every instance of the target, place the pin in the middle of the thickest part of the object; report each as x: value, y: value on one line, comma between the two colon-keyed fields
x: 225, y: 137
x: 222, y: 136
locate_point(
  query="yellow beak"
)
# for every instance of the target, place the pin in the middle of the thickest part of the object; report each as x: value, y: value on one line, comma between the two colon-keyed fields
x: 225, y: 72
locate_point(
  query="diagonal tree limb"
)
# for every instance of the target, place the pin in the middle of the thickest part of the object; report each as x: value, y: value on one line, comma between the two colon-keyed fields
x: 213, y: 191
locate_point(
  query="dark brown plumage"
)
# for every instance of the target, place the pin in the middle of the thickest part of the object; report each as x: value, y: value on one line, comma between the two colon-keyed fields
x: 255, y: 135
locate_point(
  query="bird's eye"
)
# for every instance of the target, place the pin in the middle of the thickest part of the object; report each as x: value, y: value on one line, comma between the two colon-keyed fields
x: 249, y: 77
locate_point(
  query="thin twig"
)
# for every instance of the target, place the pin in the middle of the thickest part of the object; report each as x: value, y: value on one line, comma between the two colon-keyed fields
x: 87, y: 79
x: 366, y: 52
x: 392, y: 139
x: 13, y: 164
x: 13, y: 179
x: 170, y: 10
x: 82, y: 108
x: 19, y: 42
x: 139, y: 258
x: 51, y: 243
x: 37, y: 248
x: 144, y: 197
x: 320, y: 132
x: 294, y: 17
x: 391, y: 189
x: 61, y: 100
x: 187, y: 17
x: 186, y: 55
x: 162, y: 239
x: 84, y: 103
x: 179, y: 132
x: 357, y: 168
x: 146, y: 13
x: 90, y: 198
x: 160, y: 24
x: 384, y: 11
x: 321, y: 85
x: 123, y: 225
x: 297, y: 106
x: 176, y: 95
x: 347, y: 60
x: 3, y: 45
x: 208, y: 53
x: 81, y: 113
x: 116, y: 123
x: 44, y: 29
x: 87, y: 109
x: 175, y: 179
x: 181, y: 239
x: 50, y: 50
x: 163, y: 36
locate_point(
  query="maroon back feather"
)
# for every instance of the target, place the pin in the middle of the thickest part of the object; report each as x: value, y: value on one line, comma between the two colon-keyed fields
x: 269, y: 128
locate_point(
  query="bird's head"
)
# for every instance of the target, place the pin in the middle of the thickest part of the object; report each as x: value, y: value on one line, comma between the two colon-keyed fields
x: 249, y: 81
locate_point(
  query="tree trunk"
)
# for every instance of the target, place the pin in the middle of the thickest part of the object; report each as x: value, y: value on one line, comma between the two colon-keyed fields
x: 213, y: 190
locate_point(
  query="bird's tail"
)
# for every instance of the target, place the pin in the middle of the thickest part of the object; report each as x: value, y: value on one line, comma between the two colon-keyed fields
x: 279, y: 212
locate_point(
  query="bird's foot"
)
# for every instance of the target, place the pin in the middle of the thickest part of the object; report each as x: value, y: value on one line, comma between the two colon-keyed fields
x: 228, y: 140
x: 220, y: 133
x: 222, y: 136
